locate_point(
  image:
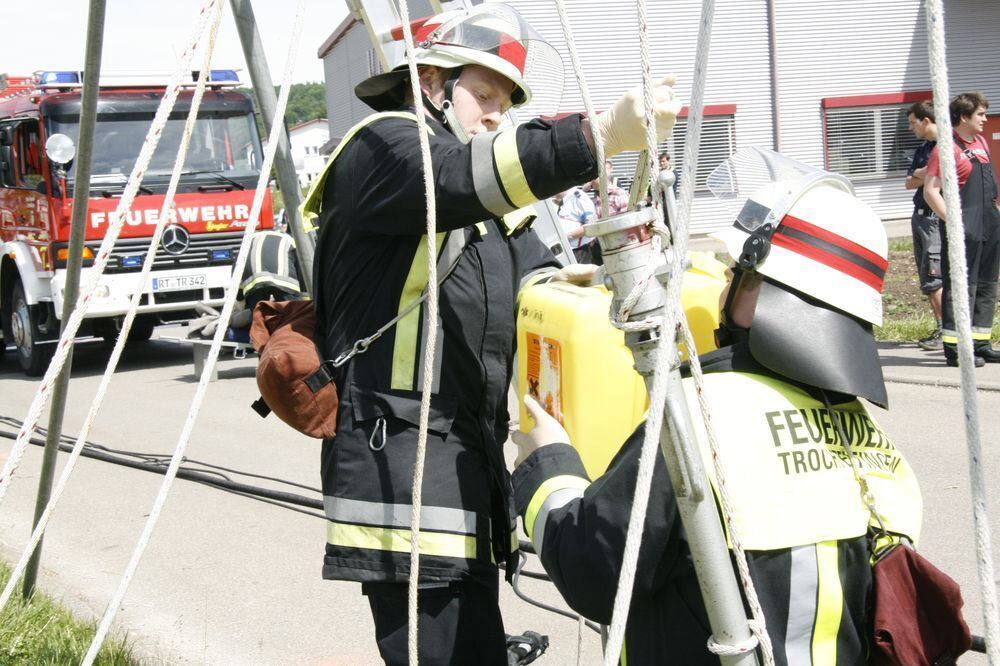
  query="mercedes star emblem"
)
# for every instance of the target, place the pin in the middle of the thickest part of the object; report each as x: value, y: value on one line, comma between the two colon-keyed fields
x: 175, y: 239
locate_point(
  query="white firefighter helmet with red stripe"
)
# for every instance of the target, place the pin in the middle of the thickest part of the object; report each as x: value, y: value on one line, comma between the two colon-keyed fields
x: 811, y: 233
x: 491, y: 35
x: 822, y: 253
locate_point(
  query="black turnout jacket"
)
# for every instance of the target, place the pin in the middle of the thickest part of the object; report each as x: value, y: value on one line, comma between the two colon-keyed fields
x: 370, y: 264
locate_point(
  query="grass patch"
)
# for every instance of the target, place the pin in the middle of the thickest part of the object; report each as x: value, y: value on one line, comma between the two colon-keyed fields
x: 44, y: 633
x: 907, y: 314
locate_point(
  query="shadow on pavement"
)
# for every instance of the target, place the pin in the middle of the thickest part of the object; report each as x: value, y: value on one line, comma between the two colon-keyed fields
x: 91, y: 358
x: 908, y: 355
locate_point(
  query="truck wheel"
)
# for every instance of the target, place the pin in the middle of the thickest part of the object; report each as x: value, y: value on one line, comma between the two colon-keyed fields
x: 33, y: 356
x: 141, y: 331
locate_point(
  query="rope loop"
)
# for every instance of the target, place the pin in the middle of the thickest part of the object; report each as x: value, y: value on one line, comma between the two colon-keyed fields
x: 743, y: 647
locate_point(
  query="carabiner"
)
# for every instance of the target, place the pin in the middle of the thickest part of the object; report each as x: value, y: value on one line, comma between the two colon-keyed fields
x: 379, y: 425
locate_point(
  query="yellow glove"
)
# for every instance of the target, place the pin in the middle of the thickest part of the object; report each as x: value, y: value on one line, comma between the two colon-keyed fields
x: 547, y: 430
x: 623, y: 126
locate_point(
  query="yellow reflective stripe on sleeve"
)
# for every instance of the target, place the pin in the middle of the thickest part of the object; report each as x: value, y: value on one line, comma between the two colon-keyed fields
x: 548, y: 487
x: 482, y: 228
x: 508, y: 163
x: 624, y: 658
x: 829, y: 605
x: 397, y: 540
x: 404, y: 352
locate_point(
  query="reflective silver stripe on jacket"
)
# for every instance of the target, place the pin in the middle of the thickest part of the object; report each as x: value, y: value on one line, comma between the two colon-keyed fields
x: 344, y: 510
x: 802, y: 601
x: 484, y: 177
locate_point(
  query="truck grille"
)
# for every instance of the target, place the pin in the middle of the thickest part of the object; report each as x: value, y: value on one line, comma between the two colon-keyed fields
x: 199, y: 253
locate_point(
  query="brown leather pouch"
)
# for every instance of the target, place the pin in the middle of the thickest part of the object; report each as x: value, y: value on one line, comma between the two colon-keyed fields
x: 294, y: 381
x: 917, y: 620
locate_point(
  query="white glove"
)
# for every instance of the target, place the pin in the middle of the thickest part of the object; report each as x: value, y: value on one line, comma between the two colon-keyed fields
x: 583, y: 275
x: 547, y: 430
x: 623, y: 126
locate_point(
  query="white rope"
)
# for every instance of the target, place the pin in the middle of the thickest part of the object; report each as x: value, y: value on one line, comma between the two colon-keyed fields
x: 213, y: 354
x: 588, y: 104
x: 934, y: 11
x: 658, y: 393
x: 648, y: 102
x: 88, y: 288
x: 431, y: 335
x: 673, y: 315
x: 95, y: 405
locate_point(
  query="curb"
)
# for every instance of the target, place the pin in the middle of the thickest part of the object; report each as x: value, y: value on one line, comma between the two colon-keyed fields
x: 940, y: 383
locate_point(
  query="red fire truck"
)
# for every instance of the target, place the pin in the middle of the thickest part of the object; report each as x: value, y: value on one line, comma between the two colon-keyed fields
x: 212, y: 205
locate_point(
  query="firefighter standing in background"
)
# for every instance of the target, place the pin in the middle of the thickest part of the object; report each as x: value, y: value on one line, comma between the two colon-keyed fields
x: 797, y: 331
x: 270, y: 274
x: 371, y: 264
x: 978, y: 193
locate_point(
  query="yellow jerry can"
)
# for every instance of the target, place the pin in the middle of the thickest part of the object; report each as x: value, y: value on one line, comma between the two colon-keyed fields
x: 576, y: 364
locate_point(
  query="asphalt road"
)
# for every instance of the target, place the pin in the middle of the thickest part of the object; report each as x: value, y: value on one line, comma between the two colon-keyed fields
x: 230, y: 580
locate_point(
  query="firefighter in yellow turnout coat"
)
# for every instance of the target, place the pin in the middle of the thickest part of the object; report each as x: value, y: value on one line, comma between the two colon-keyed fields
x: 371, y: 266
x: 798, y: 341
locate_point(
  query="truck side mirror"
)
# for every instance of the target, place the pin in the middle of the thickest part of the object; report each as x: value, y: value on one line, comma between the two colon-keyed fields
x: 60, y: 149
x: 6, y: 136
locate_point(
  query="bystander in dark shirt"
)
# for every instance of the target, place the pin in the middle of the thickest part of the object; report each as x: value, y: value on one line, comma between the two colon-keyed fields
x: 920, y: 158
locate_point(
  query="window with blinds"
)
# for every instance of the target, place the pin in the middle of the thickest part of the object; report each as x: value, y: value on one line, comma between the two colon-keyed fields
x: 718, y: 142
x: 869, y: 142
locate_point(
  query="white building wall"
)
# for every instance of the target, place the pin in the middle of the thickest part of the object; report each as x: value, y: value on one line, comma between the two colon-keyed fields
x: 346, y: 66
x: 349, y: 63
x: 823, y: 49
x: 849, y: 48
x: 606, y: 39
x: 867, y: 47
x: 305, y: 144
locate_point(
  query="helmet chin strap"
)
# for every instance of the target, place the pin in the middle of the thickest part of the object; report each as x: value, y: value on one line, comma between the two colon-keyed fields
x: 729, y: 333
x: 446, y: 114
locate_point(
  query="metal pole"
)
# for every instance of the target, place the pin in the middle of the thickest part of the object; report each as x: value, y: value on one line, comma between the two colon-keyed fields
x: 284, y: 167
x: 74, y: 261
x: 628, y: 252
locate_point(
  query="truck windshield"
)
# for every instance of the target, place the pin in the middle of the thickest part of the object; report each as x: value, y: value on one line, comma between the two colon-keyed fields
x: 222, y: 142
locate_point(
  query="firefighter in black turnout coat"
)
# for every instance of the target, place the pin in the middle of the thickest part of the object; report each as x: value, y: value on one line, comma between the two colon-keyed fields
x: 371, y: 266
x: 798, y: 352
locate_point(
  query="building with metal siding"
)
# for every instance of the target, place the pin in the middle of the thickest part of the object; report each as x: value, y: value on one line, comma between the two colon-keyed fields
x: 825, y: 82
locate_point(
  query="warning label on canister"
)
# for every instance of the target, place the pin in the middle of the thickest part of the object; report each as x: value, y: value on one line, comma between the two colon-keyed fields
x: 545, y: 373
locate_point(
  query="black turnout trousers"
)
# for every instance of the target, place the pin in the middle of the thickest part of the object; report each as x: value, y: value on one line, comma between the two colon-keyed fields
x: 982, y: 254
x: 459, y: 623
